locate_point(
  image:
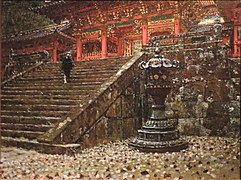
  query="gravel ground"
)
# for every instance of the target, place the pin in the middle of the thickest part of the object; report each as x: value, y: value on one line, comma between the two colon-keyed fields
x: 206, y: 158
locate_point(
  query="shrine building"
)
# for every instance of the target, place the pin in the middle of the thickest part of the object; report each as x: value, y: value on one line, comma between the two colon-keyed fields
x: 100, y: 29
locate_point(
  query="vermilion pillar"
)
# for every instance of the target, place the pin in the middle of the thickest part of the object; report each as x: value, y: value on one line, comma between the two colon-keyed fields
x: 144, y: 33
x: 79, y: 48
x: 235, y: 36
x: 104, y: 44
x: 120, y: 46
x: 177, y: 26
x: 55, y: 55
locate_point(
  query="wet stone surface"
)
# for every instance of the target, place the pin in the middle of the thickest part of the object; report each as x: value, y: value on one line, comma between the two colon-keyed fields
x: 206, y: 158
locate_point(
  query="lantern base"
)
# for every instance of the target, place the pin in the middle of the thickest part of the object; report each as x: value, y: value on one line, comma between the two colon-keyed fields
x: 159, y: 134
x: 159, y: 147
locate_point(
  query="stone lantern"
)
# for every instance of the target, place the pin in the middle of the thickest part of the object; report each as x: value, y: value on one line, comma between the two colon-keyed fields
x: 159, y: 133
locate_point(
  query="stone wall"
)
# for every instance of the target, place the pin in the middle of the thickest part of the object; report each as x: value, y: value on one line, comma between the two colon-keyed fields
x: 210, y: 106
x: 119, y: 122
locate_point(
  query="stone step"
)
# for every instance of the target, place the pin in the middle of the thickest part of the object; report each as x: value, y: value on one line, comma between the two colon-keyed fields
x: 61, y: 81
x: 51, y: 83
x: 34, y: 113
x: 59, y: 100
x: 87, y: 67
x: 60, y: 78
x: 26, y: 127
x: 18, y: 133
x: 54, y: 87
x: 45, y: 120
x: 93, y: 63
x: 46, y: 98
x: 73, y: 75
x: 69, y: 149
x: 57, y: 70
x: 97, y: 70
x: 58, y: 83
x: 109, y: 59
x: 37, y: 107
x: 49, y: 92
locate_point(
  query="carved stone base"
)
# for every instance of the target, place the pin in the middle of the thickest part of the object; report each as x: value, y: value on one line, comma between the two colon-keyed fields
x: 161, y: 146
x: 159, y: 135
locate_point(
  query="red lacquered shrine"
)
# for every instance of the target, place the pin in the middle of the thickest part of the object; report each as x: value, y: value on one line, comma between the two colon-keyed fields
x: 100, y: 29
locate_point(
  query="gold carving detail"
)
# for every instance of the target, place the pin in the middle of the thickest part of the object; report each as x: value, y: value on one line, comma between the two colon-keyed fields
x: 165, y: 21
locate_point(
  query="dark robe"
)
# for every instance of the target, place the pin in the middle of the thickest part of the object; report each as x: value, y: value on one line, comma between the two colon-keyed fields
x: 67, y: 65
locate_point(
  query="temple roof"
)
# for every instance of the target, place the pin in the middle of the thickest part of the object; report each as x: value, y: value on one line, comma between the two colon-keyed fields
x: 56, y: 30
x: 52, y: 9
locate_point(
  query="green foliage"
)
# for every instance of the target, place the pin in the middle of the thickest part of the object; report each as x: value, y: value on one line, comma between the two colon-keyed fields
x: 17, y: 17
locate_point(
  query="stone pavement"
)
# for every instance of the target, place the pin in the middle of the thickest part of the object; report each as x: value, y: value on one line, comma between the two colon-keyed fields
x: 206, y: 158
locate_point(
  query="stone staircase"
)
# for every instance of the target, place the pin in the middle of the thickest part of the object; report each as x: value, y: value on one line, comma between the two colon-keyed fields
x: 32, y: 104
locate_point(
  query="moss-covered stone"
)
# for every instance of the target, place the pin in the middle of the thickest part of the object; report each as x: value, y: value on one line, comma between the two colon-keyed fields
x: 217, y: 118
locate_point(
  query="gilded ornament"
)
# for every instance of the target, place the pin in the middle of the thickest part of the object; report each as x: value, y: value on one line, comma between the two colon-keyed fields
x: 164, y: 77
x: 156, y: 76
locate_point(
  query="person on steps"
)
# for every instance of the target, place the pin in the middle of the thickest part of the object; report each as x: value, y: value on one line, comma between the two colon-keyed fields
x: 67, y: 66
